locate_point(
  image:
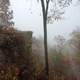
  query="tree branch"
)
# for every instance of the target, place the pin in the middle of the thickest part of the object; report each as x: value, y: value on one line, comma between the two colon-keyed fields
x: 43, y: 7
x: 47, y: 6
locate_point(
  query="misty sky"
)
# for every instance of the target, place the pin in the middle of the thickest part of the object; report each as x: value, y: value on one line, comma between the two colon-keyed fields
x: 28, y: 16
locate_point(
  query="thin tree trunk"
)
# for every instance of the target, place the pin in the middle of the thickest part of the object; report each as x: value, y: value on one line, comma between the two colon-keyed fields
x: 45, y: 11
x: 46, y: 50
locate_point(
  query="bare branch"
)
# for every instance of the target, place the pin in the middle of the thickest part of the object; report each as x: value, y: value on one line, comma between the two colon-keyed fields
x: 43, y: 7
x: 47, y: 6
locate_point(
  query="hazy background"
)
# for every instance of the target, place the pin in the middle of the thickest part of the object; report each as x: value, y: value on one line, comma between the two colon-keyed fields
x: 28, y: 16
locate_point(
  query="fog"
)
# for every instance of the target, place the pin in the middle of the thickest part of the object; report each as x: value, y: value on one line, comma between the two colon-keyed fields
x: 28, y: 16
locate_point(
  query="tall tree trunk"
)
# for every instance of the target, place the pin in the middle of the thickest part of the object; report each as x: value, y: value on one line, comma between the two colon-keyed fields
x: 45, y: 12
x: 46, y: 50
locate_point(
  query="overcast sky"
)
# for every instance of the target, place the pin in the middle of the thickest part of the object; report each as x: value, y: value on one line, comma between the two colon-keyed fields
x: 27, y: 16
